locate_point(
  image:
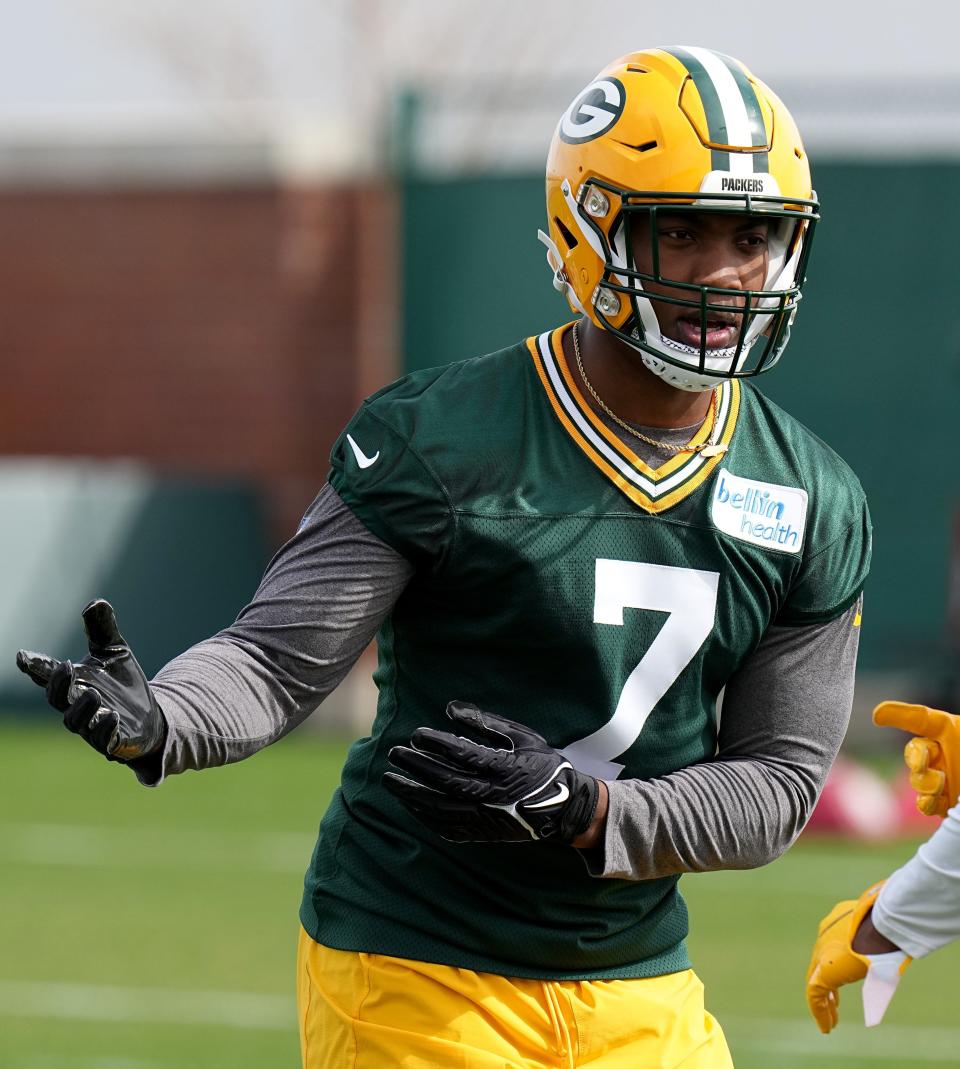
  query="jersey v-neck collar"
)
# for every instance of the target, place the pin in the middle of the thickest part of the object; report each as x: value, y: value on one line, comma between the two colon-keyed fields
x: 653, y: 489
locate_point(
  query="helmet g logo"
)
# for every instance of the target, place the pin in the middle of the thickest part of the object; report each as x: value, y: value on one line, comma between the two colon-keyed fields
x: 594, y: 111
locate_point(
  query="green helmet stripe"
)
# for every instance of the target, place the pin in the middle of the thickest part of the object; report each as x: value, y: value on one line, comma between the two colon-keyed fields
x: 758, y: 128
x: 710, y: 98
x: 735, y: 94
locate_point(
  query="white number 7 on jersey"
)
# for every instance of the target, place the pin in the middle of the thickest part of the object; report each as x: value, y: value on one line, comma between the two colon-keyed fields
x: 690, y: 597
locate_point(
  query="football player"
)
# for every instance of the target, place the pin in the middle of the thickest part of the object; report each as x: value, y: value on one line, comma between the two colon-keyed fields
x: 916, y: 910
x: 567, y: 550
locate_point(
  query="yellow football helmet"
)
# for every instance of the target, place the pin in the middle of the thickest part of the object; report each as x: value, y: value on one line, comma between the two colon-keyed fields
x: 688, y: 130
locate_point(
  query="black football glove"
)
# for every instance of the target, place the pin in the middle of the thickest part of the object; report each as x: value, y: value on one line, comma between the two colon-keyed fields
x: 511, y: 786
x: 105, y: 697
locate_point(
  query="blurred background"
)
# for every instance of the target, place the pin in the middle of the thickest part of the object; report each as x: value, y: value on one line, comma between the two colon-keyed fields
x: 222, y: 224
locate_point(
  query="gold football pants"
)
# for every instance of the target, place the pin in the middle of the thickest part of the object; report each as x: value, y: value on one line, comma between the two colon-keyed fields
x: 370, y: 1011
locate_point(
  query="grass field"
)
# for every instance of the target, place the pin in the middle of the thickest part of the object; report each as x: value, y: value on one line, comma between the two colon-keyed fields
x: 156, y: 929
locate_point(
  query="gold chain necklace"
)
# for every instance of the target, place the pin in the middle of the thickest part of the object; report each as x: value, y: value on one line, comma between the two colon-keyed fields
x: 708, y: 448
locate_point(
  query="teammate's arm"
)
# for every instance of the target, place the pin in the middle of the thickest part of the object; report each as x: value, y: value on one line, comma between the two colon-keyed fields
x: 917, y: 909
x: 911, y: 914
x: 319, y: 604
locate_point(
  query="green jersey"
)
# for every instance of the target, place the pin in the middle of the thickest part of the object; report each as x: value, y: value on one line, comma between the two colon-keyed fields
x: 562, y: 582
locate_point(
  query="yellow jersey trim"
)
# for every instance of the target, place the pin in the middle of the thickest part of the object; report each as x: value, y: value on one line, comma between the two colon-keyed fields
x: 652, y: 489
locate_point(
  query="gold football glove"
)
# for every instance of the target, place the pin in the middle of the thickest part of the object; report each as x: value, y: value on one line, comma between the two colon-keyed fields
x: 834, y: 962
x: 933, y: 758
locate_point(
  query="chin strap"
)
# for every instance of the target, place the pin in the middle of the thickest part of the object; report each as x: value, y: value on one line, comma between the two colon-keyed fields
x: 672, y: 374
x: 679, y: 376
x: 676, y: 377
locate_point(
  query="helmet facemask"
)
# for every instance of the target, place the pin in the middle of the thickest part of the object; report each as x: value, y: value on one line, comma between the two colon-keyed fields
x: 765, y: 315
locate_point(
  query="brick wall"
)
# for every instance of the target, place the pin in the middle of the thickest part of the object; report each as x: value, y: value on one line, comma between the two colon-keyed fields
x: 223, y: 331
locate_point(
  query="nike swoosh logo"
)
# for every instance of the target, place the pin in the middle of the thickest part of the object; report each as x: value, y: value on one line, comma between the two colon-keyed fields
x: 362, y: 459
x: 563, y: 793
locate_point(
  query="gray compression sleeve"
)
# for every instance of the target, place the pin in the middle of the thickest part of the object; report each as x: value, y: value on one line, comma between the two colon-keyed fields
x: 320, y: 603
x: 784, y: 716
